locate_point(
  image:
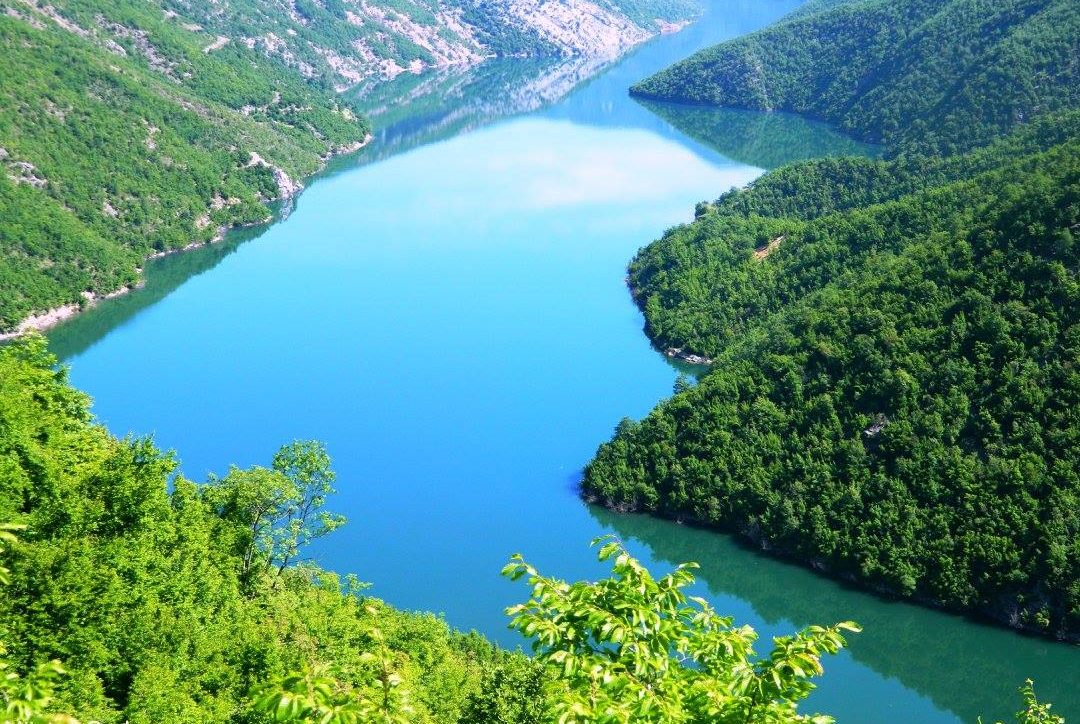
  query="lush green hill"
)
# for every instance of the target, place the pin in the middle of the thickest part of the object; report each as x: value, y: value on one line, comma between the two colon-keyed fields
x: 917, y: 75
x: 122, y: 138
x: 893, y: 396
x: 130, y: 128
x: 699, y: 295
x: 170, y: 602
x: 152, y: 599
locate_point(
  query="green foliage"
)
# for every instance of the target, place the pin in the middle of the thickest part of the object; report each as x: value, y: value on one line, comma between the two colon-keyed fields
x: 317, y: 697
x: 7, y: 537
x: 139, y: 587
x: 1034, y: 712
x: 140, y: 592
x: 917, y: 75
x: 26, y: 698
x: 698, y: 286
x: 632, y: 648
x: 893, y: 396
x: 121, y: 138
x: 128, y: 128
x: 273, y: 513
x: 515, y: 691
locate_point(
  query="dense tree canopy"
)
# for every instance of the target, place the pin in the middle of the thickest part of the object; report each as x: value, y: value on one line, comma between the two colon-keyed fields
x: 120, y: 138
x: 146, y: 585
x: 169, y: 601
x: 917, y: 75
x: 134, y: 595
x: 893, y: 396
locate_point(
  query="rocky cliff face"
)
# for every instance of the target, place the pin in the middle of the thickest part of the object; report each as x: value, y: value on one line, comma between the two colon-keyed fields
x: 575, y: 27
x: 342, y: 42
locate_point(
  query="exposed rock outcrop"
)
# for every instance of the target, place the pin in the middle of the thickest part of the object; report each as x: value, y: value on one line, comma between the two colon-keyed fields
x: 364, y: 39
x: 286, y: 186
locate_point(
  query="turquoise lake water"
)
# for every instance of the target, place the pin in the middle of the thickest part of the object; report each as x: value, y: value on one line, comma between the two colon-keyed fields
x: 447, y: 311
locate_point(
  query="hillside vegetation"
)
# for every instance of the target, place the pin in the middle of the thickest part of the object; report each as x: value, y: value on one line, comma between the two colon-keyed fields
x: 169, y: 601
x: 131, y: 128
x: 121, y: 138
x: 893, y: 396
x: 342, y: 42
x: 917, y: 75
x: 132, y: 594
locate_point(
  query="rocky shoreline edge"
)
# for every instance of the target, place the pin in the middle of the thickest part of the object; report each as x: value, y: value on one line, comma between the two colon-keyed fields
x: 1001, y: 615
x: 689, y: 357
x: 49, y: 318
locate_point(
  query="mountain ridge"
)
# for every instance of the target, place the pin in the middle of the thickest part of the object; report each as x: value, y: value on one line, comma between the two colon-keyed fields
x: 920, y: 76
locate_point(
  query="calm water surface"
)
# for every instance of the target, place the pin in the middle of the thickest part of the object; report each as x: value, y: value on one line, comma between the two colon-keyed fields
x: 447, y: 312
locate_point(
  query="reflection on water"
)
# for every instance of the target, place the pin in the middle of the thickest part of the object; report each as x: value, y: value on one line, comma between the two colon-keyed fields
x: 767, y: 140
x: 408, y: 112
x: 415, y: 110
x: 962, y: 666
x: 163, y: 275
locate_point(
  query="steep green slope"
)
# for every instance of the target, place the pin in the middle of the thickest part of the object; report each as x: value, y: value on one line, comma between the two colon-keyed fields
x: 141, y: 591
x: 699, y: 285
x: 122, y: 138
x: 917, y: 75
x: 169, y: 602
x: 894, y: 395
x: 131, y: 128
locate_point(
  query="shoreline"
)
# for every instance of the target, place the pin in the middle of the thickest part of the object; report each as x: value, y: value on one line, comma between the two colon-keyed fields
x: 753, y: 541
x: 679, y: 354
x: 42, y: 321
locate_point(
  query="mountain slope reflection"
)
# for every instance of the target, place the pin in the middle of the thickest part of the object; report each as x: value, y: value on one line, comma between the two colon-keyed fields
x: 970, y: 670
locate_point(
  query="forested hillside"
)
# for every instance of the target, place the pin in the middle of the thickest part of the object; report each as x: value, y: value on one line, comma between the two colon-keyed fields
x: 121, y: 138
x: 341, y: 42
x: 176, y: 606
x: 132, y: 594
x: 893, y: 395
x: 704, y: 284
x: 916, y: 75
x: 132, y: 128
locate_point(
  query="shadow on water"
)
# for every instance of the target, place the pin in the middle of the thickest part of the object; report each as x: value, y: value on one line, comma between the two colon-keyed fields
x: 969, y: 669
x: 766, y: 140
x: 162, y: 275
